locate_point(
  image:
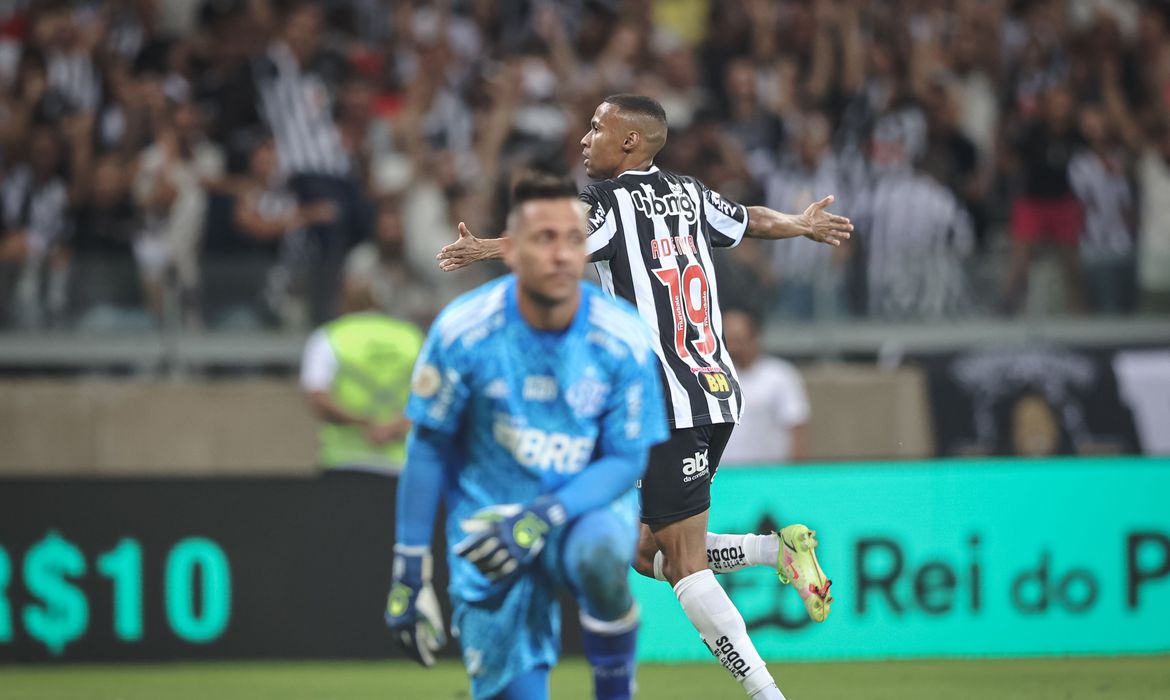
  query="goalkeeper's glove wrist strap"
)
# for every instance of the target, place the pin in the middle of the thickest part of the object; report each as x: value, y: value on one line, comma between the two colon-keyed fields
x: 550, y: 510
x: 413, y: 564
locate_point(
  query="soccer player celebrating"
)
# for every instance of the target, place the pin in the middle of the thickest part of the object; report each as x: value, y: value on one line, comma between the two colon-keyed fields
x: 535, y: 402
x: 650, y: 238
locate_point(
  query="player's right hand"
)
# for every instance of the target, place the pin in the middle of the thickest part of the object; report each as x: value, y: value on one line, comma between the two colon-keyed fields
x: 466, y: 250
x: 412, y: 609
x: 503, y: 539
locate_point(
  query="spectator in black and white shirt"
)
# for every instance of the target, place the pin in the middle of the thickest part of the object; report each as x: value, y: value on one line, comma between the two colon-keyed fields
x: 294, y: 82
x: 1097, y: 175
x: 35, y: 199
x: 807, y: 274
x: 917, y: 234
x: 70, y: 38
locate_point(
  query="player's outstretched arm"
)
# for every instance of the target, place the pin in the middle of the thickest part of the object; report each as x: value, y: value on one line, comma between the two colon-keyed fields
x: 816, y: 223
x: 468, y: 249
x: 412, y: 609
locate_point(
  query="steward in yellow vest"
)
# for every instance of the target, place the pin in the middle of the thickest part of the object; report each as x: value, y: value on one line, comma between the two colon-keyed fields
x: 356, y: 370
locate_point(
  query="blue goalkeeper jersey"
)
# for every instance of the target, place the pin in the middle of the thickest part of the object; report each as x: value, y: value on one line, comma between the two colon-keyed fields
x: 529, y: 409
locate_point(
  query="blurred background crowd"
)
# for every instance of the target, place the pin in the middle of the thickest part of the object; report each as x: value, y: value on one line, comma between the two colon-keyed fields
x: 262, y: 164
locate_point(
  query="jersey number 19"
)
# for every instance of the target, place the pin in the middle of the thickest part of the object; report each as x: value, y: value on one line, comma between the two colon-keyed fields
x: 689, y: 305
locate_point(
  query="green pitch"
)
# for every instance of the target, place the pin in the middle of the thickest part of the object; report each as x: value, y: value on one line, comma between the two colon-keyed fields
x: 1067, y: 679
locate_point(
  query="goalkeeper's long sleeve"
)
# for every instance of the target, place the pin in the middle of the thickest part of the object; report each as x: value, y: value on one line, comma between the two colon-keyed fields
x: 601, y: 482
x: 429, y: 456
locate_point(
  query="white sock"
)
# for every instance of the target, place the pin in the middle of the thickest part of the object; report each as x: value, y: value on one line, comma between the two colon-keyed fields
x: 727, y: 553
x: 723, y: 630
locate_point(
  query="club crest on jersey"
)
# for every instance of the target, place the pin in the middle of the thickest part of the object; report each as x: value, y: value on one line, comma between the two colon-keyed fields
x: 587, y: 397
x: 714, y: 381
x: 673, y: 204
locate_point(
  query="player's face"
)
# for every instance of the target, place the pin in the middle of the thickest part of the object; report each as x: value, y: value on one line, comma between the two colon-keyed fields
x: 602, y: 144
x: 547, y: 249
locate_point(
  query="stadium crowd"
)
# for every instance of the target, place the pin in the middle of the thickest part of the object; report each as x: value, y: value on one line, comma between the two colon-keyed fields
x: 239, y: 164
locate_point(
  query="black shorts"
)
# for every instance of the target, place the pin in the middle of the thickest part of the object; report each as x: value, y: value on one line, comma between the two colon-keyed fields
x: 677, y: 483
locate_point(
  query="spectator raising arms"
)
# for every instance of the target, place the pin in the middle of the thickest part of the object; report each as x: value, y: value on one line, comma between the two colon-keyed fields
x: 1031, y: 128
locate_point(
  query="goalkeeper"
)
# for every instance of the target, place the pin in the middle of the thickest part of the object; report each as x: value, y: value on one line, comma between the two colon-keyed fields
x: 535, y: 402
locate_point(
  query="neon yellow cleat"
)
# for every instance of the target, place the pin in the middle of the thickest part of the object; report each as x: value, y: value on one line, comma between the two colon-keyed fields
x: 798, y: 566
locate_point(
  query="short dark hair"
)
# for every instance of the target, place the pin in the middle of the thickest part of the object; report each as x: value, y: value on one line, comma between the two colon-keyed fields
x: 638, y: 104
x: 542, y: 185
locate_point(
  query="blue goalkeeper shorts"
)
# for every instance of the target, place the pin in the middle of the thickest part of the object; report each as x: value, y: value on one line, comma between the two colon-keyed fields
x: 519, y: 629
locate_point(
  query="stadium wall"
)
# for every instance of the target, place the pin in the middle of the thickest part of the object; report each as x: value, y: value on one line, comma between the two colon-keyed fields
x: 261, y: 427
x: 929, y: 559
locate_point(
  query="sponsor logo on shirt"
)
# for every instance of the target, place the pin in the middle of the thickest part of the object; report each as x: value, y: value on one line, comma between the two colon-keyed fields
x: 540, y: 388
x: 596, y: 217
x: 654, y: 205
x: 722, y: 205
x: 545, y: 451
x: 714, y: 381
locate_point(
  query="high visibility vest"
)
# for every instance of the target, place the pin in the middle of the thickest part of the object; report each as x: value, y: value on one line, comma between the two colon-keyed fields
x: 375, y: 357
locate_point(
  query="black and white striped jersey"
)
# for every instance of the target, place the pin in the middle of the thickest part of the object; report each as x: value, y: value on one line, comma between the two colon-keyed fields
x: 75, y: 78
x: 650, y: 238
x: 918, y: 239
x: 1107, y: 203
x: 297, y: 105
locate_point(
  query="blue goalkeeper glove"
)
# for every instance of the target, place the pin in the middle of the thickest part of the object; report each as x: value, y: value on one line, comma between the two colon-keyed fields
x: 412, y: 609
x: 502, y: 539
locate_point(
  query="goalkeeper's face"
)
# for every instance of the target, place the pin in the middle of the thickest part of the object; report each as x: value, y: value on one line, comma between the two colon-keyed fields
x: 546, y: 248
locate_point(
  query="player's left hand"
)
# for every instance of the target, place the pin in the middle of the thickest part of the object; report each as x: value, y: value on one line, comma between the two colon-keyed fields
x: 412, y: 609
x: 502, y: 539
x: 826, y: 227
